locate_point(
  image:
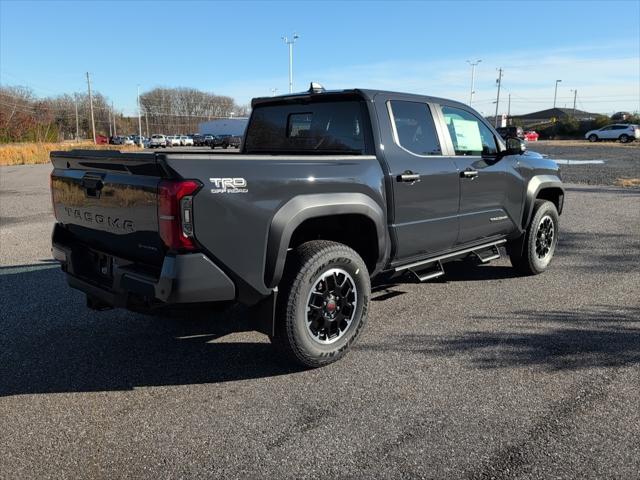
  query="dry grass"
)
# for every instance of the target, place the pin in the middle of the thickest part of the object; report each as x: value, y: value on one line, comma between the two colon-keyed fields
x: 628, y: 182
x: 33, y: 153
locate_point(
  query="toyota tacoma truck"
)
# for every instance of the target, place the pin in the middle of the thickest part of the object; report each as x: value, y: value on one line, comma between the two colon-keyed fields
x: 330, y: 190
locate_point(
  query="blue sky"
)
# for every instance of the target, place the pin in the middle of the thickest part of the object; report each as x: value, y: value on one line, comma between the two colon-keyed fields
x: 235, y: 48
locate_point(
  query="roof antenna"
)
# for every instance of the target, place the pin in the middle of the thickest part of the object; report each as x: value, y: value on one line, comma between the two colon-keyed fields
x: 315, y: 87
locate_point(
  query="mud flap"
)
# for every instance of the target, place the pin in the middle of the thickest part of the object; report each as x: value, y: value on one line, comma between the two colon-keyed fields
x: 263, y: 314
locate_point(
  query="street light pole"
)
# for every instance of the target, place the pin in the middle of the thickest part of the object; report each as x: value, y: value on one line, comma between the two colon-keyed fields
x: 290, y: 42
x: 575, y: 95
x: 139, y: 120
x: 93, y: 122
x: 499, y: 82
x: 473, y: 76
x: 555, y: 93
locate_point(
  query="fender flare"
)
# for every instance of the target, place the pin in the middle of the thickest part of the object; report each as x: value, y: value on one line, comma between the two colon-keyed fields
x: 535, y: 185
x: 304, y: 207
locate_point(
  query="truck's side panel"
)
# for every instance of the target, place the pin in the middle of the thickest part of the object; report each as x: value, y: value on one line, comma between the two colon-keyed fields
x: 233, y: 225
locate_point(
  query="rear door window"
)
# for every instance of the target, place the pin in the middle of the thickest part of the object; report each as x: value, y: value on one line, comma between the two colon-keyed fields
x: 413, y: 127
x: 314, y: 127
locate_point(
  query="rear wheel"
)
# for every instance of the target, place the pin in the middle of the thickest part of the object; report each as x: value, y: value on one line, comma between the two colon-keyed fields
x: 624, y: 138
x: 593, y: 138
x: 532, y: 253
x: 323, y: 302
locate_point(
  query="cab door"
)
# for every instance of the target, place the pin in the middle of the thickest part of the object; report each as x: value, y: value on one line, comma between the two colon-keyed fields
x: 490, y: 185
x: 424, y: 183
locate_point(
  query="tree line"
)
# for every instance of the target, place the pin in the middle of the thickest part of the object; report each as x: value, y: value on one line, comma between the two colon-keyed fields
x: 26, y: 117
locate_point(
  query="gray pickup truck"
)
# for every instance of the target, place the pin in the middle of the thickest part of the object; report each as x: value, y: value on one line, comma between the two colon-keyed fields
x: 330, y: 190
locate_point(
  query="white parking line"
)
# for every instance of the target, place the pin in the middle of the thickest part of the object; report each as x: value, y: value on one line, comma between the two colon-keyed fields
x: 562, y: 161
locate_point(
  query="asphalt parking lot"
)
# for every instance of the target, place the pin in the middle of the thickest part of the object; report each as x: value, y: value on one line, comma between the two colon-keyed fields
x: 479, y: 374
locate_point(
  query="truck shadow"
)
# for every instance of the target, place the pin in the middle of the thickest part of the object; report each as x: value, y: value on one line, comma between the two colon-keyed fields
x: 597, y: 336
x: 51, y: 342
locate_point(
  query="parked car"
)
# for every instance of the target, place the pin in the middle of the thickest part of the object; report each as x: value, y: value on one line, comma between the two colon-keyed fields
x: 619, y: 131
x: 173, y: 141
x: 531, y: 136
x: 198, y: 140
x: 258, y: 229
x: 127, y: 141
x: 210, y: 140
x: 158, y: 141
x: 186, y: 140
x: 136, y: 139
x: 118, y: 140
x: 226, y: 141
x: 511, y: 132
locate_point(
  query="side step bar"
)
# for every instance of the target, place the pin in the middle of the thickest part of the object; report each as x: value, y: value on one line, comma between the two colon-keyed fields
x: 432, y: 267
x: 434, y: 270
x: 493, y: 253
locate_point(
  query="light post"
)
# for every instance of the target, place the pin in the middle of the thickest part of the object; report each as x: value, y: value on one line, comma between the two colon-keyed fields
x: 555, y: 93
x: 473, y: 76
x: 290, y: 42
x: 139, y: 120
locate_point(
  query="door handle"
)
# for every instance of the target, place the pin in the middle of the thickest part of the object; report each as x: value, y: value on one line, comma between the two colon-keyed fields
x: 469, y: 174
x: 409, y: 176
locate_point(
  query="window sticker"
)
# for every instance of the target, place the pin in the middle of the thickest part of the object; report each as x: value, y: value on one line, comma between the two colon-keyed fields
x: 467, y: 133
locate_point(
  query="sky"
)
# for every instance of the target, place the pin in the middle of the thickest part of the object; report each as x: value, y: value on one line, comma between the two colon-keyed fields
x: 235, y: 49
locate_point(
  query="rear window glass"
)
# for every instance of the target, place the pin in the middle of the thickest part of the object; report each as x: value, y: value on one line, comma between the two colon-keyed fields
x: 414, y: 127
x: 322, y: 127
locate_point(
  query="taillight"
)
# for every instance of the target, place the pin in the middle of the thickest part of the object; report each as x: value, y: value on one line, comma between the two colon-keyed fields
x: 53, y: 198
x: 175, y: 213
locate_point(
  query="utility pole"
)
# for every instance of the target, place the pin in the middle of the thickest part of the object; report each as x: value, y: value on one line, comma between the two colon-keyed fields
x: 555, y: 93
x: 274, y: 91
x: 113, y: 113
x: 473, y: 76
x: 93, y: 122
x: 499, y: 82
x: 146, y: 122
x: 75, y: 103
x: 139, y: 120
x: 290, y: 42
x: 109, y: 115
x: 509, y: 108
x: 575, y: 95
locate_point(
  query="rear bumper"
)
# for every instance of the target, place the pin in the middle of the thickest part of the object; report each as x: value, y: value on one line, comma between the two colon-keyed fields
x: 183, y: 279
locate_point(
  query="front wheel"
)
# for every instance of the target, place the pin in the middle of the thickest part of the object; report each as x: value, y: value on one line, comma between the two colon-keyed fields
x: 593, y: 138
x: 323, y: 302
x: 532, y: 253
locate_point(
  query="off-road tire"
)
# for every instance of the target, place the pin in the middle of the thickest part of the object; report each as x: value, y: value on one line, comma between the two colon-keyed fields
x: 525, y: 252
x: 305, y: 265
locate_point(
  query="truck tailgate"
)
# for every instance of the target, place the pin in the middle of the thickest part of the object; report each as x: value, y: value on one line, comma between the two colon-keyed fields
x: 109, y: 200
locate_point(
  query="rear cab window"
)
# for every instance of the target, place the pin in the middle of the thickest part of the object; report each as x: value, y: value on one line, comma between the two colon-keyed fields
x: 327, y: 126
x: 413, y: 127
x: 469, y: 135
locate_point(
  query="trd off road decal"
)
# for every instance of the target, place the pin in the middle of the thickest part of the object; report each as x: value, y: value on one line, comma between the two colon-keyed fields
x: 229, y: 185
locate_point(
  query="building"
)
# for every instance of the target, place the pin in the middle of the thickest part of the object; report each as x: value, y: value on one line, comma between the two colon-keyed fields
x: 224, y: 126
x: 553, y: 114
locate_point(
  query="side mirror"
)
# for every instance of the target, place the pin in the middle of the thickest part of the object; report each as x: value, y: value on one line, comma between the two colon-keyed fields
x: 515, y: 146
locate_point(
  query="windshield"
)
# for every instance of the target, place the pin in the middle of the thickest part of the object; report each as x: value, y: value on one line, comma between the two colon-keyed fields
x: 317, y: 127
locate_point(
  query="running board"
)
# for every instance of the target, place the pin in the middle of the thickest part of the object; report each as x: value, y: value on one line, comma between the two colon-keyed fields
x: 494, y: 254
x: 479, y: 248
x: 432, y: 271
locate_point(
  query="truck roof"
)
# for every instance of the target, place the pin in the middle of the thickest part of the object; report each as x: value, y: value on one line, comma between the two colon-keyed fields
x: 367, y: 94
